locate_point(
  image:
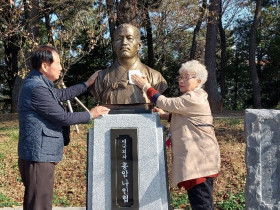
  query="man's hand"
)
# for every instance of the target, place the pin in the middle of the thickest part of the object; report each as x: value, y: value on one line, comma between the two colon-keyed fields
x: 98, y: 110
x: 92, y: 79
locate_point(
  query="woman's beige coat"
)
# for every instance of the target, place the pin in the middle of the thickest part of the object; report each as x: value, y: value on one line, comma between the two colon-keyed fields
x: 195, y: 151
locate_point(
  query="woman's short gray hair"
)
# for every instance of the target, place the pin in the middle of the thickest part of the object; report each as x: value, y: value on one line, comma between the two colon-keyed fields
x: 196, y: 67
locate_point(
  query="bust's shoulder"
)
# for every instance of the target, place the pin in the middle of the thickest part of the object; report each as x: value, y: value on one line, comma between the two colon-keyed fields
x: 106, y: 71
x: 155, y: 78
x: 150, y: 70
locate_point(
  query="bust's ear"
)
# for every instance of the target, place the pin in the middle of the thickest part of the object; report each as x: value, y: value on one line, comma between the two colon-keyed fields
x: 139, y: 45
x: 114, y: 46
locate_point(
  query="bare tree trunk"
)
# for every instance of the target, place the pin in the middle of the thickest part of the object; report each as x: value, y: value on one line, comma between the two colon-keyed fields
x: 196, y: 30
x: 11, y: 58
x: 235, y: 81
x: 112, y: 22
x: 149, y: 38
x: 32, y: 20
x: 47, y: 9
x: 127, y: 12
x: 34, y: 17
x: 15, y: 94
x: 252, y: 56
x: 223, y: 54
x: 211, y: 86
x: 11, y: 50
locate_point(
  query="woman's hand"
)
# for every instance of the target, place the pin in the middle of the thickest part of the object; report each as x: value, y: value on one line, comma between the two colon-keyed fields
x: 162, y: 114
x: 160, y: 111
x: 139, y: 81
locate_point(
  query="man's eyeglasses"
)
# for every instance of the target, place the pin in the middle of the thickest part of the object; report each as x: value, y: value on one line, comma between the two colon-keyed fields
x: 184, y: 78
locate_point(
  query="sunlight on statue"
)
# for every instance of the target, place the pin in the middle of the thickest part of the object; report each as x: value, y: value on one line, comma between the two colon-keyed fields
x: 113, y: 85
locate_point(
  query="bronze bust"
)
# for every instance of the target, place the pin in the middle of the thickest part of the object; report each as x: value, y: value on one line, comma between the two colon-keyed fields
x: 112, y: 85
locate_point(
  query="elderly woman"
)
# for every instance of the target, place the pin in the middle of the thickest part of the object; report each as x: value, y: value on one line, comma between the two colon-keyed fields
x: 195, y: 151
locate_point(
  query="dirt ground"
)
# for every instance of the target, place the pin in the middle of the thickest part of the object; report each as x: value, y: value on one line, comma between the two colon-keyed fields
x: 70, y: 182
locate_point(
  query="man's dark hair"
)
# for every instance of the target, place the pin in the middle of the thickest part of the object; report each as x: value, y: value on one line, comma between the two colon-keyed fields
x: 42, y: 54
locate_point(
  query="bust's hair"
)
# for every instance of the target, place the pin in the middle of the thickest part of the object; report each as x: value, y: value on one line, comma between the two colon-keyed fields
x: 137, y: 32
x: 42, y: 54
x: 196, y: 67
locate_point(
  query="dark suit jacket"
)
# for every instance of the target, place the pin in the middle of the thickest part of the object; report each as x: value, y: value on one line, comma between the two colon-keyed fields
x: 41, y: 117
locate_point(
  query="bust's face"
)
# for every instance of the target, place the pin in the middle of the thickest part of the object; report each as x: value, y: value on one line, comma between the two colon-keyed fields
x: 126, y: 44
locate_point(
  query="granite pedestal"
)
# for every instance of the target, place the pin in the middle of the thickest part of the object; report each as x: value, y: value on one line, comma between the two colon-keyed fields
x: 262, y: 159
x: 116, y: 182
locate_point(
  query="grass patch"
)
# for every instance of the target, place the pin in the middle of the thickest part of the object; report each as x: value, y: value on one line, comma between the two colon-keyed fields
x: 179, y: 200
x: 7, y: 129
x: 235, y: 201
x: 14, y: 135
x: 6, y: 202
x: 60, y: 201
x: 2, y: 156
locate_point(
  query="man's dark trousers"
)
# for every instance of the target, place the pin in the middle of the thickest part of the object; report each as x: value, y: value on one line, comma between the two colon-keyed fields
x: 38, y: 179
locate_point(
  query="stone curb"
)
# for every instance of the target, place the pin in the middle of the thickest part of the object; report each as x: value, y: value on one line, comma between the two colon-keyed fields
x: 54, y: 208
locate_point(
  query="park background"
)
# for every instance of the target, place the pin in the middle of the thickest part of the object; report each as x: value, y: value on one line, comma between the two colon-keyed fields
x: 238, y: 41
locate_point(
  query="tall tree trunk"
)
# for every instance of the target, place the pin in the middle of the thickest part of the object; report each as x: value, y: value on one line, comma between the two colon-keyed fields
x: 196, y: 30
x: 47, y: 9
x: 15, y: 94
x: 32, y: 20
x: 34, y: 17
x: 11, y: 50
x: 149, y: 38
x: 252, y: 56
x: 11, y: 57
x: 112, y: 22
x: 223, y: 54
x: 127, y: 12
x: 211, y: 86
x: 236, y: 62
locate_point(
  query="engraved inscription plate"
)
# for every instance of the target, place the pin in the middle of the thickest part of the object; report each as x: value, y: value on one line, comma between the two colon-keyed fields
x: 270, y: 162
x: 124, y: 169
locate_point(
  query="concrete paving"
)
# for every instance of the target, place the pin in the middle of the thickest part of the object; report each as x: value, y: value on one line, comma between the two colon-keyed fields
x: 54, y: 208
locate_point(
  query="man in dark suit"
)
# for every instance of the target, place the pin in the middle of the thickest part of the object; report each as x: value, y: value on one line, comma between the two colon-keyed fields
x: 41, y: 120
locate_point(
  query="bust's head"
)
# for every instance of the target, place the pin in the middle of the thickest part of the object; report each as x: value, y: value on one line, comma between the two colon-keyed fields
x: 127, y: 42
